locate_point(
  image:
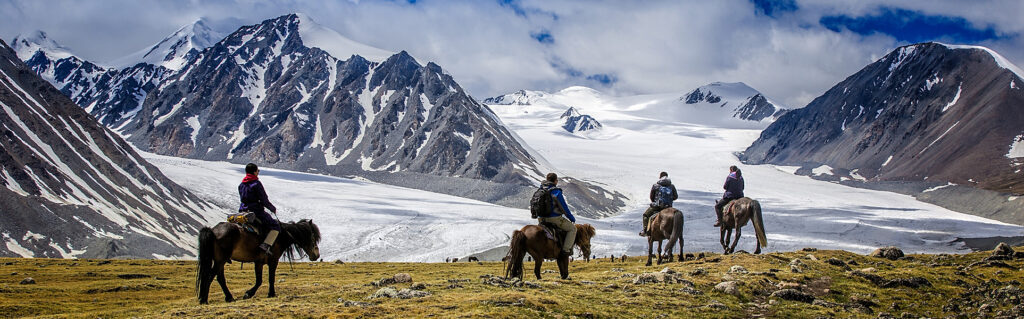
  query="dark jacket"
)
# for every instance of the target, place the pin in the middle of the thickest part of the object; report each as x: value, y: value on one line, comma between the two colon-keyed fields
x: 253, y: 197
x: 558, y: 201
x: 733, y: 186
x: 663, y: 182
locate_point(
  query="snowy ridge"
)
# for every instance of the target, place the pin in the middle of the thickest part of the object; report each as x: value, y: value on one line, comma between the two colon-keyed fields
x: 1003, y: 62
x: 27, y: 45
x: 174, y: 51
x: 315, y: 35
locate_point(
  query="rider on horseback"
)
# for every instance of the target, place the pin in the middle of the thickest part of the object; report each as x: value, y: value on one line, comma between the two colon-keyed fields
x: 733, y: 190
x: 662, y: 195
x: 555, y: 215
x: 254, y: 199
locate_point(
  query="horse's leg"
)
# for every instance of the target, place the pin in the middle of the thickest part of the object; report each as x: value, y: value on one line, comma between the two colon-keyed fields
x: 722, y: 237
x: 537, y: 262
x: 218, y: 268
x: 271, y: 271
x: 650, y: 249
x: 563, y: 267
x: 258, y: 266
x: 735, y: 240
x: 659, y: 251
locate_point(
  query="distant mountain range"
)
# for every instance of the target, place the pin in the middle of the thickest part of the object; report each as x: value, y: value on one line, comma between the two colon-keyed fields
x: 292, y: 94
x: 72, y: 188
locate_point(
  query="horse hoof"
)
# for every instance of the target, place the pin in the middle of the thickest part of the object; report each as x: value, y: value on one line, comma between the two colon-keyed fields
x: 203, y: 302
x: 229, y: 299
x: 271, y: 295
x: 648, y: 264
x: 247, y: 296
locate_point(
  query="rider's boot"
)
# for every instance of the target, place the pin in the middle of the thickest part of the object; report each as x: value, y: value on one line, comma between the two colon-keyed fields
x: 269, y: 242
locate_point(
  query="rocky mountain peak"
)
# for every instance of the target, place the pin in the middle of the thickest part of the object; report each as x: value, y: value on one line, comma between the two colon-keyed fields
x: 26, y: 45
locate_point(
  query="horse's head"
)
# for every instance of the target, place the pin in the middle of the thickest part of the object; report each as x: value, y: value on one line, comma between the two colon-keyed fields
x: 308, y: 238
x: 583, y: 234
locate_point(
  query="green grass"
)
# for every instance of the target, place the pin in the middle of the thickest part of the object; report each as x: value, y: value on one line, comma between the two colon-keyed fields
x: 92, y: 288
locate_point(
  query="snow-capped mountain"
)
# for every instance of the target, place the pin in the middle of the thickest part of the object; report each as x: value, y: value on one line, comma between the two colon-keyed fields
x: 280, y: 93
x: 72, y: 188
x: 740, y: 100
x: 579, y: 123
x: 929, y: 111
x: 176, y: 49
x: 111, y: 95
x: 521, y: 97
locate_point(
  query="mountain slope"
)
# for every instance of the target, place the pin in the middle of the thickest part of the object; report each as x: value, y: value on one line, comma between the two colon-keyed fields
x: 61, y: 168
x: 923, y: 112
x: 736, y: 99
x: 176, y: 49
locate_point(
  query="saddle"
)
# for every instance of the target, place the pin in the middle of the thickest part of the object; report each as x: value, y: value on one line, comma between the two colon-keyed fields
x: 248, y: 221
x: 553, y: 232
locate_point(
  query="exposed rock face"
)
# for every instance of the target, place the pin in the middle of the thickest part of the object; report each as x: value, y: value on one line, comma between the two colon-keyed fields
x: 58, y: 166
x: 576, y: 122
x: 925, y: 111
x: 742, y: 101
x: 890, y: 253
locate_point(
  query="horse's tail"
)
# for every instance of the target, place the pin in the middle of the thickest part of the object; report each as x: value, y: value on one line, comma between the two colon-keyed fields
x: 516, y: 253
x: 677, y: 232
x: 204, y: 269
x: 758, y: 223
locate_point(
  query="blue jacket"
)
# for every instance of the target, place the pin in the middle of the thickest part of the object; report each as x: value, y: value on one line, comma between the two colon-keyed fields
x: 253, y: 197
x: 560, y: 207
x: 733, y: 186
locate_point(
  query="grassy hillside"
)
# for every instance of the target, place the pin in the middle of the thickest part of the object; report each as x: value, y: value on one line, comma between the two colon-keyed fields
x: 830, y: 283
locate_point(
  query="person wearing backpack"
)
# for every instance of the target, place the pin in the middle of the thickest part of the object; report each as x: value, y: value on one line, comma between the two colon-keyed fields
x: 733, y: 190
x: 662, y: 195
x: 254, y: 199
x: 548, y: 205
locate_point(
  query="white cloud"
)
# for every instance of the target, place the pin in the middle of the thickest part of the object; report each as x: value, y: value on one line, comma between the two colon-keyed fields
x: 657, y: 46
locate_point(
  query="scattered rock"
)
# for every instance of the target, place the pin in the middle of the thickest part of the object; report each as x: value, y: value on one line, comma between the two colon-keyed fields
x: 787, y: 285
x: 991, y: 263
x: 852, y: 262
x: 339, y: 262
x: 132, y: 276
x: 493, y: 280
x: 809, y: 249
x: 617, y: 270
x: 409, y: 294
x: 14, y: 273
x: 612, y: 286
x: 531, y: 285
x: 729, y: 287
x: 698, y: 272
x: 868, y: 273
x: 738, y: 270
x: 796, y: 266
x: 890, y: 253
x: 811, y: 257
x: 383, y: 282
x: 103, y: 262
x: 350, y: 303
x: 668, y: 271
x: 1003, y: 250
x: 402, y: 278
x: 587, y: 282
x: 649, y: 278
x: 418, y: 286
x: 912, y: 282
x: 714, y: 304
x: 28, y: 281
x: 386, y: 292
x: 835, y: 262
x: 792, y: 294
x: 691, y: 291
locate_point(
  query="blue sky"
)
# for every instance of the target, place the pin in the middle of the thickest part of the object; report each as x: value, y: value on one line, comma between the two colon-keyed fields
x: 792, y: 50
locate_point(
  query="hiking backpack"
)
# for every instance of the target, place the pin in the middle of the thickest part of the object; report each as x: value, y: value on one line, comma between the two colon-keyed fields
x: 540, y: 204
x: 664, y: 196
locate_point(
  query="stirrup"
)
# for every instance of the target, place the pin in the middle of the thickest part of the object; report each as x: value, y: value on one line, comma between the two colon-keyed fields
x: 265, y: 248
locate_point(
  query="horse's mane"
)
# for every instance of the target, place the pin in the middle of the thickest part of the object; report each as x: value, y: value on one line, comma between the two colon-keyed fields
x: 585, y: 230
x: 302, y: 234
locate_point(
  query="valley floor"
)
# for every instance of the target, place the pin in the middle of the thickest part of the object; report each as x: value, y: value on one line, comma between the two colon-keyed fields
x: 830, y: 283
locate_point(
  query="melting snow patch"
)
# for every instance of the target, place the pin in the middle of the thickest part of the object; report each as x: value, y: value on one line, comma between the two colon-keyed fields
x: 937, y: 188
x: 193, y: 122
x: 788, y: 169
x: 887, y: 161
x: 931, y: 82
x: 822, y: 170
x: 1016, y: 147
x: 955, y: 98
x: 1013, y: 84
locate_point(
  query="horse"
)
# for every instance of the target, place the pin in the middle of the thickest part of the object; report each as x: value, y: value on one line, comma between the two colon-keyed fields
x: 666, y: 224
x: 735, y: 216
x: 531, y: 239
x: 228, y: 241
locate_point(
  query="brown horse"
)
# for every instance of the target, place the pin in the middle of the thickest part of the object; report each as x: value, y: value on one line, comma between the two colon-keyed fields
x: 531, y: 239
x: 735, y: 216
x: 228, y: 241
x: 666, y: 224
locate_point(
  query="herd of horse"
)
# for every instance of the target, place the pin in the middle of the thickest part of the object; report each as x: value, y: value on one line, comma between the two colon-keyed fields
x: 229, y: 241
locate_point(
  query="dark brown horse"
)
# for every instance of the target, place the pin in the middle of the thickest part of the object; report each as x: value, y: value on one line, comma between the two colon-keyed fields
x: 666, y: 224
x: 734, y: 216
x: 531, y: 239
x: 228, y: 241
